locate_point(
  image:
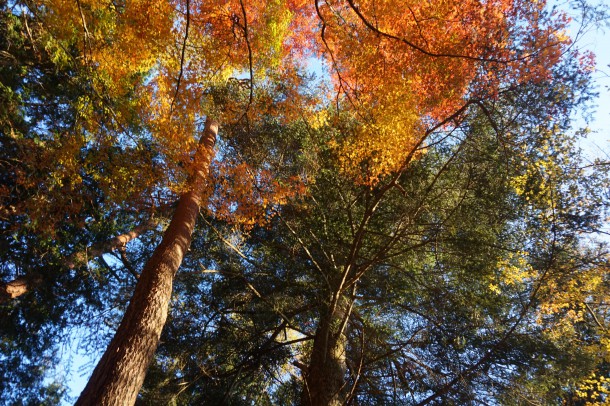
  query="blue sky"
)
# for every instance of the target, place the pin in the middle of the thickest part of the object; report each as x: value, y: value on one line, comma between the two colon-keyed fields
x: 598, y: 144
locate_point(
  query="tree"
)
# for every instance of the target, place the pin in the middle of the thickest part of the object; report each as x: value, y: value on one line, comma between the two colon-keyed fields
x: 454, y: 269
x: 120, y: 373
x: 420, y: 70
x: 51, y: 205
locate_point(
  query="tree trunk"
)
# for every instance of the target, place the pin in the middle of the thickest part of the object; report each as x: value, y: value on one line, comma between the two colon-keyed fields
x: 325, y: 383
x: 120, y: 373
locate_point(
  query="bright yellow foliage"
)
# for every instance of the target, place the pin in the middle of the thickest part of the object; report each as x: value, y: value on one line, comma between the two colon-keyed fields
x: 592, y: 388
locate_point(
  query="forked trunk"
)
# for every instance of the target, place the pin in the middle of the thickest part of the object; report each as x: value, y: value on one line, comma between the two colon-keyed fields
x: 325, y: 383
x: 120, y: 373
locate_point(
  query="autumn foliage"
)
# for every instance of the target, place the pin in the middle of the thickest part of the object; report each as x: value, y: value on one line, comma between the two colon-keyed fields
x: 365, y: 180
x: 399, y: 70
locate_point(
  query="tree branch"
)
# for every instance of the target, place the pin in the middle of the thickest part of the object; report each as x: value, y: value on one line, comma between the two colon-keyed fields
x: 186, y: 35
x: 23, y: 284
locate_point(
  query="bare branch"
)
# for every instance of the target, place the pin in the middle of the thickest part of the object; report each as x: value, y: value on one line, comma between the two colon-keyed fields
x: 186, y: 35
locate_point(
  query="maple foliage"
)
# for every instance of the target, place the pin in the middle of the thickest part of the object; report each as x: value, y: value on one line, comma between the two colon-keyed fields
x: 142, y: 78
x: 405, y: 68
x: 399, y: 69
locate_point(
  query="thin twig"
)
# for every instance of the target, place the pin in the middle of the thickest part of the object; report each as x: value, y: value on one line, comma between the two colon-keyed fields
x: 186, y: 35
x: 250, y: 63
x: 370, y: 26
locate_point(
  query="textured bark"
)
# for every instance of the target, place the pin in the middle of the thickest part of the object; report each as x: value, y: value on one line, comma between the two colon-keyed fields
x: 120, y: 373
x: 325, y: 378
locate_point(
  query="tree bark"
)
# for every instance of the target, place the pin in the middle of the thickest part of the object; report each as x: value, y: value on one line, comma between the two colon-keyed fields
x: 325, y: 383
x: 120, y: 373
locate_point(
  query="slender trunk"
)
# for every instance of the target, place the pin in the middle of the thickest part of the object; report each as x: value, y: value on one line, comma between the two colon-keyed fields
x: 120, y: 373
x: 24, y: 284
x: 325, y: 383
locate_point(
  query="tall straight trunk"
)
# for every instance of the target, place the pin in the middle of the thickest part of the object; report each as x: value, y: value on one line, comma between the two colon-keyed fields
x: 325, y: 383
x: 120, y: 373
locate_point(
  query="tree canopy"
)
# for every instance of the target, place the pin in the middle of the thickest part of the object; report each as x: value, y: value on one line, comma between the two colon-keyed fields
x: 412, y: 224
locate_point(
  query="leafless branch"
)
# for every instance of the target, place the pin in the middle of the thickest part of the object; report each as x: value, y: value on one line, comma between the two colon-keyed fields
x: 182, y: 55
